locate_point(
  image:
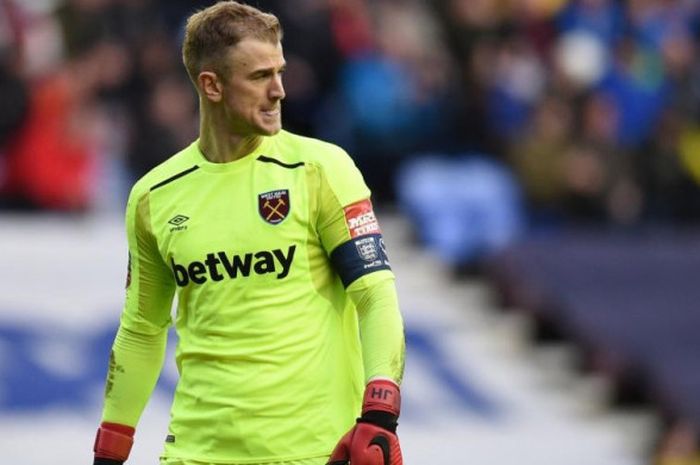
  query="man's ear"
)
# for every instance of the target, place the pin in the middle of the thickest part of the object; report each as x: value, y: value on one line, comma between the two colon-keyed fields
x: 210, y: 86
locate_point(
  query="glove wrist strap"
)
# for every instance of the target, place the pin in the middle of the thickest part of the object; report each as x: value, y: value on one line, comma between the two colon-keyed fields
x: 382, y: 395
x: 382, y: 419
x: 113, y: 441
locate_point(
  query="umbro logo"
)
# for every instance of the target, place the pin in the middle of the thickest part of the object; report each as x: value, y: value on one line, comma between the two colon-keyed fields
x: 177, y: 221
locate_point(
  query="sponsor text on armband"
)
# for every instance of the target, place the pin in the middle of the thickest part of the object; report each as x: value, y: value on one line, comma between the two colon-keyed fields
x: 365, y: 251
x: 360, y: 219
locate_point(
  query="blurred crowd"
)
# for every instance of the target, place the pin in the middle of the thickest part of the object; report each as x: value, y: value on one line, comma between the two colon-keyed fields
x: 593, y: 105
x: 586, y: 110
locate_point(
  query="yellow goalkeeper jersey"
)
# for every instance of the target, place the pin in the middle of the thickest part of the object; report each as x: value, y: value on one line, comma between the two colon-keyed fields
x: 259, y: 252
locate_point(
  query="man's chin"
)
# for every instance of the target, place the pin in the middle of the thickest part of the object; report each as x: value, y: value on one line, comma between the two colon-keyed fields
x: 270, y: 130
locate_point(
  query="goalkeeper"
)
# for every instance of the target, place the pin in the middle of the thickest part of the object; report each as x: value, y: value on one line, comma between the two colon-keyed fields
x: 287, y: 317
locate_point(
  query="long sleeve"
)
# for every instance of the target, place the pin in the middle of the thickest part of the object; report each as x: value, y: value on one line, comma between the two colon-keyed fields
x: 134, y: 366
x: 381, y: 326
x: 351, y: 235
x: 139, y: 347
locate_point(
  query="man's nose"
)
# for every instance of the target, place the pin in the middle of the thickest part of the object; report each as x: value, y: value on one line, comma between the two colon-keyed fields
x: 277, y: 88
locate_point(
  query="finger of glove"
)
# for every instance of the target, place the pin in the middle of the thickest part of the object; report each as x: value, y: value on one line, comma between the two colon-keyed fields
x: 396, y: 456
x: 341, y: 453
x: 371, y: 445
x: 373, y: 454
x: 381, y: 450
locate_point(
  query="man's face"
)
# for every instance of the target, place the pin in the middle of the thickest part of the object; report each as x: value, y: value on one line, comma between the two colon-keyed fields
x: 253, y: 90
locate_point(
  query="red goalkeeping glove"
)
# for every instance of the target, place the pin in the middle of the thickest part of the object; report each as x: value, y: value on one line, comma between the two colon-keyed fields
x: 373, y: 440
x: 113, y: 443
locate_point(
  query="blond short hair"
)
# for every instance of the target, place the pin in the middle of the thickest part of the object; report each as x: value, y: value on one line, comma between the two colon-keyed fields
x: 211, y: 32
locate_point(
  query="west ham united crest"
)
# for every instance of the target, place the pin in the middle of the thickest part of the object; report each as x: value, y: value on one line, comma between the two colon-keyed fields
x: 274, y: 206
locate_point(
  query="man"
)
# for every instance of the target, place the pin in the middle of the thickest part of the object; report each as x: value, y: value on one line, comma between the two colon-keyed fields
x: 287, y: 308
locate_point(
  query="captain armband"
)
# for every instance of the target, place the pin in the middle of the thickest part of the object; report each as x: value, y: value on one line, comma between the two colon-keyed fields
x: 365, y: 252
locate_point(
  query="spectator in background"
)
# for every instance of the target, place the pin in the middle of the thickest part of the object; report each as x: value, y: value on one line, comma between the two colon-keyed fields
x: 161, y: 103
x: 603, y: 19
x: 394, y: 93
x: 679, y: 51
x: 50, y: 159
x: 514, y: 85
x: 538, y: 158
x: 636, y: 84
x: 13, y: 94
x: 599, y: 176
x: 472, y: 30
x: 84, y: 22
x: 668, y: 188
x: 13, y: 89
x: 168, y: 123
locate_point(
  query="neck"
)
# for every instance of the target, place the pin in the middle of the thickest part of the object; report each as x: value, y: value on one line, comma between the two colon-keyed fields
x: 219, y: 145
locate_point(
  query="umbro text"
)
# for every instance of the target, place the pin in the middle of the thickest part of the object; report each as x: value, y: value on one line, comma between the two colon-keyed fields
x: 219, y: 265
